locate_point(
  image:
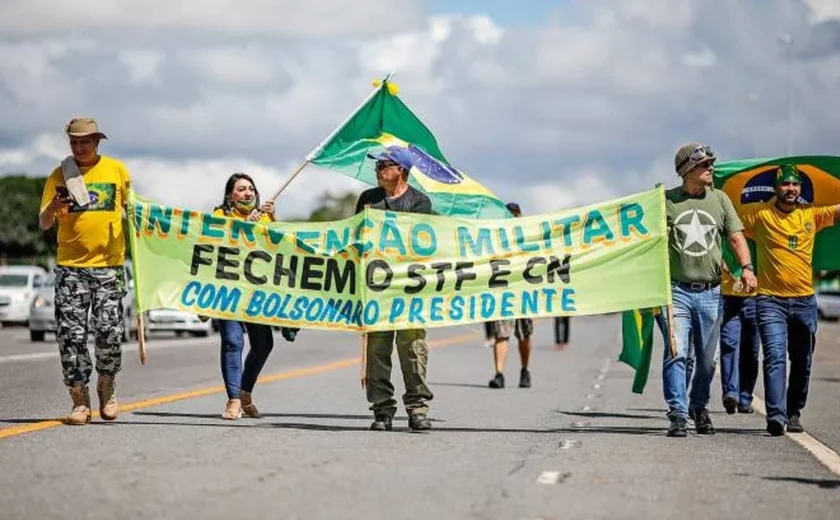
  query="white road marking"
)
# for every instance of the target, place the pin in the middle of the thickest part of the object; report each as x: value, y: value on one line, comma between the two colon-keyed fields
x: 548, y: 477
x: 601, y: 377
x: 596, y: 386
x: 132, y: 347
x: 827, y: 457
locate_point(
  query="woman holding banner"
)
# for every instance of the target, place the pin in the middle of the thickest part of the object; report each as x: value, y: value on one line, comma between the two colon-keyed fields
x: 242, y: 201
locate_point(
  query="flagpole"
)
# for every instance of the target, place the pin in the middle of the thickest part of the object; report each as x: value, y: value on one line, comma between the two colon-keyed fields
x: 315, y: 151
x: 364, y: 359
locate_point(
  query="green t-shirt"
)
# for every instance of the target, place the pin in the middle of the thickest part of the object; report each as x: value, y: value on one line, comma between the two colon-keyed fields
x: 696, y: 226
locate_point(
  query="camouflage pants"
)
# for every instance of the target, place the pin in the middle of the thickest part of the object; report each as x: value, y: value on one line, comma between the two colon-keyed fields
x: 98, y: 290
x: 414, y: 357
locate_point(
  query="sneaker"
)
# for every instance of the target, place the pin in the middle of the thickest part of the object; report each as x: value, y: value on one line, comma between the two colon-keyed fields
x: 702, y: 421
x: 775, y: 428
x: 795, y: 425
x: 381, y: 423
x: 498, y: 381
x: 524, y: 378
x: 746, y: 408
x: 419, y: 421
x: 678, y: 427
x: 730, y: 404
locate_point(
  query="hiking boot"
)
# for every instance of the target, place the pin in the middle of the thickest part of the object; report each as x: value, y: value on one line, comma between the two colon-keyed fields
x: 702, y: 421
x: 730, y: 404
x: 498, y: 381
x: 80, y: 414
x: 775, y: 428
x: 419, y: 421
x: 233, y: 410
x: 678, y: 427
x: 746, y: 408
x: 795, y: 424
x: 524, y: 378
x: 381, y: 423
x: 248, y: 407
x: 108, y: 407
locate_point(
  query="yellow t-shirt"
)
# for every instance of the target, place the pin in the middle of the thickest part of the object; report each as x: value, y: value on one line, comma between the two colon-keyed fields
x: 219, y: 212
x: 92, y: 236
x: 727, y: 286
x: 785, y: 246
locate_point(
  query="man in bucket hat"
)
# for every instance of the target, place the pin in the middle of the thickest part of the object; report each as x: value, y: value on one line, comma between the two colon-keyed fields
x: 698, y: 217
x: 86, y: 195
x: 784, y: 229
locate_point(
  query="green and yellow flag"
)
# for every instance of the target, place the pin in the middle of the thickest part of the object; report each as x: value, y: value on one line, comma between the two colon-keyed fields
x: 384, y: 123
x: 637, y: 344
x: 752, y: 181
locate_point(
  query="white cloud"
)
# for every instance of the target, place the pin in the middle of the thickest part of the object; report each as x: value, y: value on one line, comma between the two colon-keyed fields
x: 823, y: 10
x: 143, y: 65
x: 588, y: 104
x: 276, y: 17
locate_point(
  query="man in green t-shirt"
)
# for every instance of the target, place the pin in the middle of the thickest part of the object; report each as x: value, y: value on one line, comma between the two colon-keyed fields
x: 698, y: 217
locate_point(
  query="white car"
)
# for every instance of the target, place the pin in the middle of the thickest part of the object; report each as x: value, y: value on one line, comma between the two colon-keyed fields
x: 828, y: 305
x: 179, y: 322
x: 18, y: 288
x: 42, y: 313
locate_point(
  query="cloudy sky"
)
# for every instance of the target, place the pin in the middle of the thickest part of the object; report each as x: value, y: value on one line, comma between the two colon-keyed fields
x: 550, y: 103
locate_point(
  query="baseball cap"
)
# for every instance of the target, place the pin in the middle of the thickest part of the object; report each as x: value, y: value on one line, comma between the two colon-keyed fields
x: 84, y: 126
x: 394, y: 156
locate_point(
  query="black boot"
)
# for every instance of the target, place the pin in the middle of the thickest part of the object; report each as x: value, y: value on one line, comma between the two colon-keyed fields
x: 498, y: 381
x: 381, y: 423
x: 419, y: 421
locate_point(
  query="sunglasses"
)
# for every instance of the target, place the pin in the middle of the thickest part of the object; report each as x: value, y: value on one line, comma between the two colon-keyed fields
x: 700, y: 153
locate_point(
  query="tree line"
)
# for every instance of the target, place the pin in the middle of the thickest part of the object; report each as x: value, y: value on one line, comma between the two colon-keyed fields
x: 23, y: 241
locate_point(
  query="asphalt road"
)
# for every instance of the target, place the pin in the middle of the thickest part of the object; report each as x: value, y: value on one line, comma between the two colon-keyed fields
x: 578, y: 444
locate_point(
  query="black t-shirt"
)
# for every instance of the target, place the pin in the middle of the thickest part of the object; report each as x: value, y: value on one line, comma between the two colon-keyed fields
x: 412, y: 201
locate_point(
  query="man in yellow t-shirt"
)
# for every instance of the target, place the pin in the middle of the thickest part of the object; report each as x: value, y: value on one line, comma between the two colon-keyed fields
x: 89, y: 275
x: 784, y: 229
x: 739, y: 344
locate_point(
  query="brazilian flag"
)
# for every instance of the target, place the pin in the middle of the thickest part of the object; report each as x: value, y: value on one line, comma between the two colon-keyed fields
x: 752, y: 181
x: 383, y: 123
x: 637, y: 344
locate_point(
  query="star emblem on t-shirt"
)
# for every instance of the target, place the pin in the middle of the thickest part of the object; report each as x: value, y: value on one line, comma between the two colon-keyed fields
x: 696, y: 231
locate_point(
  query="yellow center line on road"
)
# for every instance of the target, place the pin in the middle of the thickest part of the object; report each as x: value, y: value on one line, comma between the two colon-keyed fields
x: 166, y: 399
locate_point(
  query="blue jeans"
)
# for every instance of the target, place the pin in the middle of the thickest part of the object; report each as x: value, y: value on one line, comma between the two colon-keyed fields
x: 261, y: 339
x: 739, y: 348
x: 696, y: 327
x: 788, y: 327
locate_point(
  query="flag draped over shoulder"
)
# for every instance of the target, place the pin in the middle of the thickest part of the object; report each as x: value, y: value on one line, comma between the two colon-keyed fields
x: 752, y: 181
x: 385, y: 123
x: 637, y: 344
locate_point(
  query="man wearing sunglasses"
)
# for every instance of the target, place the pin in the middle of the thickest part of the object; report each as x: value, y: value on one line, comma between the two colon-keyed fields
x: 395, y: 194
x: 784, y: 229
x: 698, y: 218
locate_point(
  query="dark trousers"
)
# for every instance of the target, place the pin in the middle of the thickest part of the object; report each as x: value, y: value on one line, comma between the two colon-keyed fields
x: 739, y: 348
x: 561, y: 329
